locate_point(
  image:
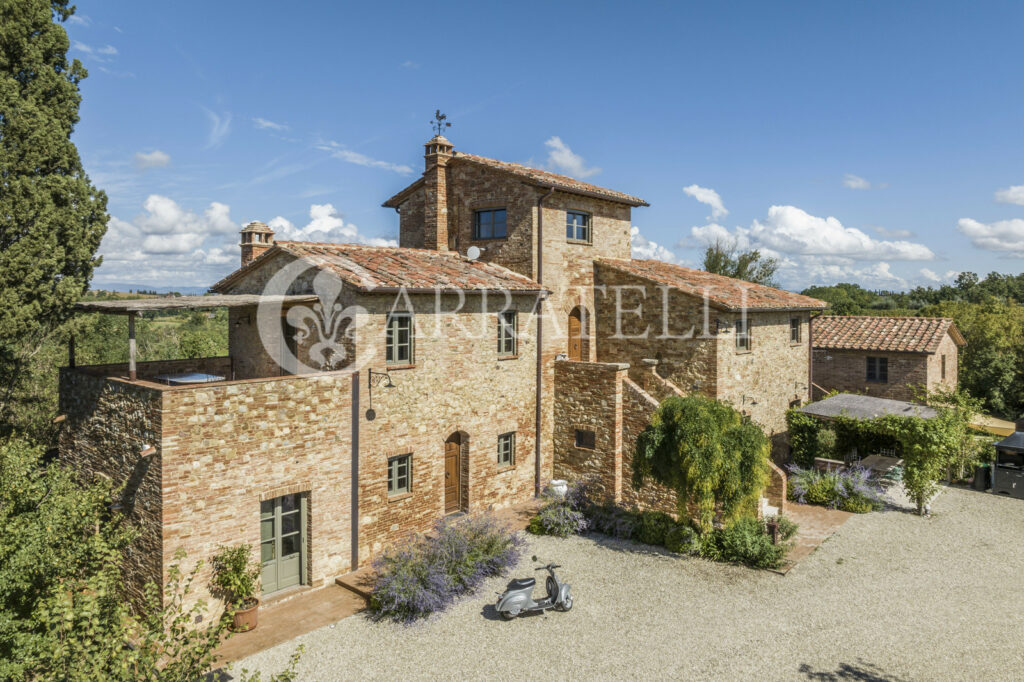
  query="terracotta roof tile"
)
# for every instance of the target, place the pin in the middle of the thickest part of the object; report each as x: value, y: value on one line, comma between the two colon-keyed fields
x: 371, y: 268
x: 894, y: 334
x: 722, y: 292
x: 541, y: 177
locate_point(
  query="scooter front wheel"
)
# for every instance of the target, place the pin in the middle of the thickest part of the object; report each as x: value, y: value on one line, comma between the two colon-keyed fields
x: 508, y: 615
x: 565, y: 605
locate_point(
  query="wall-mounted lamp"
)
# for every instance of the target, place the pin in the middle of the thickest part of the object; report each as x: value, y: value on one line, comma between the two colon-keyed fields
x: 380, y: 380
x: 147, y: 450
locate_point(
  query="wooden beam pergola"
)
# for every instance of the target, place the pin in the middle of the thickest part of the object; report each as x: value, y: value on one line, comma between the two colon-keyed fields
x: 133, y: 307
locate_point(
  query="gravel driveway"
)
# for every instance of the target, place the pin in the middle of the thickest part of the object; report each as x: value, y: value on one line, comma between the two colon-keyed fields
x: 889, y: 596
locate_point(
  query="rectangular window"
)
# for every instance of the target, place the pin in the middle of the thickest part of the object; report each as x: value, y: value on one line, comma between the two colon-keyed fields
x: 399, y: 475
x: 794, y: 330
x: 878, y: 370
x: 507, y: 449
x: 742, y: 335
x: 577, y: 226
x: 507, y: 333
x: 490, y: 224
x: 943, y: 366
x: 586, y: 439
x: 398, y: 350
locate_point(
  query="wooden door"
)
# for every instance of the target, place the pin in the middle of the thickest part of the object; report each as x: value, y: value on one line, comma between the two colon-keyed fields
x: 452, y: 470
x: 282, y: 540
x: 575, y: 335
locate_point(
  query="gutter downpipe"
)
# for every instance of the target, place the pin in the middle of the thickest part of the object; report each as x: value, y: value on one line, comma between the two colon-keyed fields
x: 540, y: 338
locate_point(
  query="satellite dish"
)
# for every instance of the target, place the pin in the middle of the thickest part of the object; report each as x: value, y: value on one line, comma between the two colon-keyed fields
x: 473, y: 252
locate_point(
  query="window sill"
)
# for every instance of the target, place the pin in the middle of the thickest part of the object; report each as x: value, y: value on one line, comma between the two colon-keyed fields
x: 490, y: 239
x: 796, y: 343
x: 579, y: 241
x: 399, y: 498
x: 508, y: 357
x: 503, y: 469
x: 744, y: 352
x: 391, y: 367
x: 585, y: 449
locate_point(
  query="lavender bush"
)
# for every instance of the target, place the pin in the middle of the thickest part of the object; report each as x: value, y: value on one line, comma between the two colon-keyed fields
x: 851, y: 489
x: 430, y: 572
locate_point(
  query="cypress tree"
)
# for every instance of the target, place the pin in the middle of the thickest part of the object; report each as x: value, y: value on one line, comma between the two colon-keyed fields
x: 51, y: 216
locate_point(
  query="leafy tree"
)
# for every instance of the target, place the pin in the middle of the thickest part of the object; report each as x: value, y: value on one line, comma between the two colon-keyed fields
x: 725, y: 258
x: 714, y: 458
x: 51, y: 216
x: 844, y: 298
x: 63, y: 609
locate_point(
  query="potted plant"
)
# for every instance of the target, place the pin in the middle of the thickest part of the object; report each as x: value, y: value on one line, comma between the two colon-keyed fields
x: 236, y: 575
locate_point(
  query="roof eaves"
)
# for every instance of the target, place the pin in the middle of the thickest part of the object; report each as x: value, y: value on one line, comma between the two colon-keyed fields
x: 398, y: 199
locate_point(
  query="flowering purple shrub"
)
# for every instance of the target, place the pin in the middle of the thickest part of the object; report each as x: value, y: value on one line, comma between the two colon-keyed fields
x: 558, y: 518
x: 851, y: 489
x: 430, y: 572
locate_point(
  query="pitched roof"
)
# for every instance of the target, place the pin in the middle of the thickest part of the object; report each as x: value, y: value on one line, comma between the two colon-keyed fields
x: 542, y: 178
x: 858, y: 406
x: 722, y: 292
x: 382, y: 268
x: 895, y: 334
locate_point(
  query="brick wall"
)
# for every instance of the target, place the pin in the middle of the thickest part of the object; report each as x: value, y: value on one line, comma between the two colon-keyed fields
x: 846, y: 371
x: 637, y: 408
x: 949, y: 349
x: 108, y: 424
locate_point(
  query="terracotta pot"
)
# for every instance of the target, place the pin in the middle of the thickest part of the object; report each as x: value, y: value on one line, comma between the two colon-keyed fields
x: 246, y: 618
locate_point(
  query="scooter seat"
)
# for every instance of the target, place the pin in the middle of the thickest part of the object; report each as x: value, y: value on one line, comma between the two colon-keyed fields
x: 522, y: 584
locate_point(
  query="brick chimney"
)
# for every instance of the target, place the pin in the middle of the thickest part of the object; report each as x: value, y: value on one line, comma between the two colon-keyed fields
x: 257, y: 237
x: 435, y: 210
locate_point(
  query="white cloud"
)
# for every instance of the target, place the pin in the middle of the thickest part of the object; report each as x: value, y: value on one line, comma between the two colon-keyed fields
x: 409, y: 64
x: 101, y: 54
x: 646, y: 249
x: 803, y: 271
x: 713, y: 232
x: 220, y: 126
x: 1002, y: 235
x: 325, y: 225
x: 264, y: 124
x: 789, y: 229
x: 932, y: 276
x: 153, y: 159
x: 893, y: 234
x: 852, y: 181
x: 339, y: 151
x: 563, y: 159
x: 706, y: 195
x: 79, y: 20
x: 1011, y: 195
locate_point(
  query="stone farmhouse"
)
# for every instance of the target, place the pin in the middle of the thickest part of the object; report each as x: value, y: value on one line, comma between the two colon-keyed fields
x: 510, y: 339
x: 886, y: 357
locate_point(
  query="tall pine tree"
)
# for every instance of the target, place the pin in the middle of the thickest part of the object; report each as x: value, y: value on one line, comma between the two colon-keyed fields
x: 51, y: 216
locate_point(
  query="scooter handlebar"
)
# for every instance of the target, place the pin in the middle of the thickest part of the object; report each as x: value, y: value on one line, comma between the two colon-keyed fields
x: 544, y: 568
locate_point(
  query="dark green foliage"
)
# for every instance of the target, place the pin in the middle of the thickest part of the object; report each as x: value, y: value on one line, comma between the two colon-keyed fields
x: 236, y: 574
x: 713, y: 457
x: 745, y: 541
x: 612, y: 520
x: 654, y: 526
x: 51, y: 217
x: 787, y: 527
x: 725, y: 258
x: 682, y: 539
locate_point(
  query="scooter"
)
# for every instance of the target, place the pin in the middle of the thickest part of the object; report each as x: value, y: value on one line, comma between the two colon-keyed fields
x: 518, y: 598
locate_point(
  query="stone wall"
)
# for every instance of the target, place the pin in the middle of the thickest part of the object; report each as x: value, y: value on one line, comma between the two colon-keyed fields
x: 588, y: 396
x: 457, y: 384
x: 764, y: 381
x: 637, y: 408
x: 109, y: 423
x: 949, y: 350
x: 846, y: 371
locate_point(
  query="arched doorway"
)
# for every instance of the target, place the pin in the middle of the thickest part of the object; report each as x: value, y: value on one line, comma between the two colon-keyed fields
x: 578, y: 348
x: 453, y: 473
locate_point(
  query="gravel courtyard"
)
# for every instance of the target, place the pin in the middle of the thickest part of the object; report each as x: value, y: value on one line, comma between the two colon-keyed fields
x: 889, y: 596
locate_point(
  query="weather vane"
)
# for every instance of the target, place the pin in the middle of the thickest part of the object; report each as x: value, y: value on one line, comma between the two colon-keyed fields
x: 440, y: 122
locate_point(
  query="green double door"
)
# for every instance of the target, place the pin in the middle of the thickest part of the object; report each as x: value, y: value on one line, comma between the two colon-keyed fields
x: 282, y: 541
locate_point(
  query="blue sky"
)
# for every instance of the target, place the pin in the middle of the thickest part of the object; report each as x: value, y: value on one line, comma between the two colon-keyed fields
x: 878, y: 142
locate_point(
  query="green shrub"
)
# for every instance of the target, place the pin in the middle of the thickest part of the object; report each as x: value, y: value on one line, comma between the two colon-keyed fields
x: 236, y: 574
x: 653, y: 527
x: 787, y: 527
x: 745, y: 541
x: 611, y: 519
x: 681, y: 539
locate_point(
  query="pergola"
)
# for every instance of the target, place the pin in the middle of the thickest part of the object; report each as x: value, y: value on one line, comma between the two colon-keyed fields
x: 135, y: 306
